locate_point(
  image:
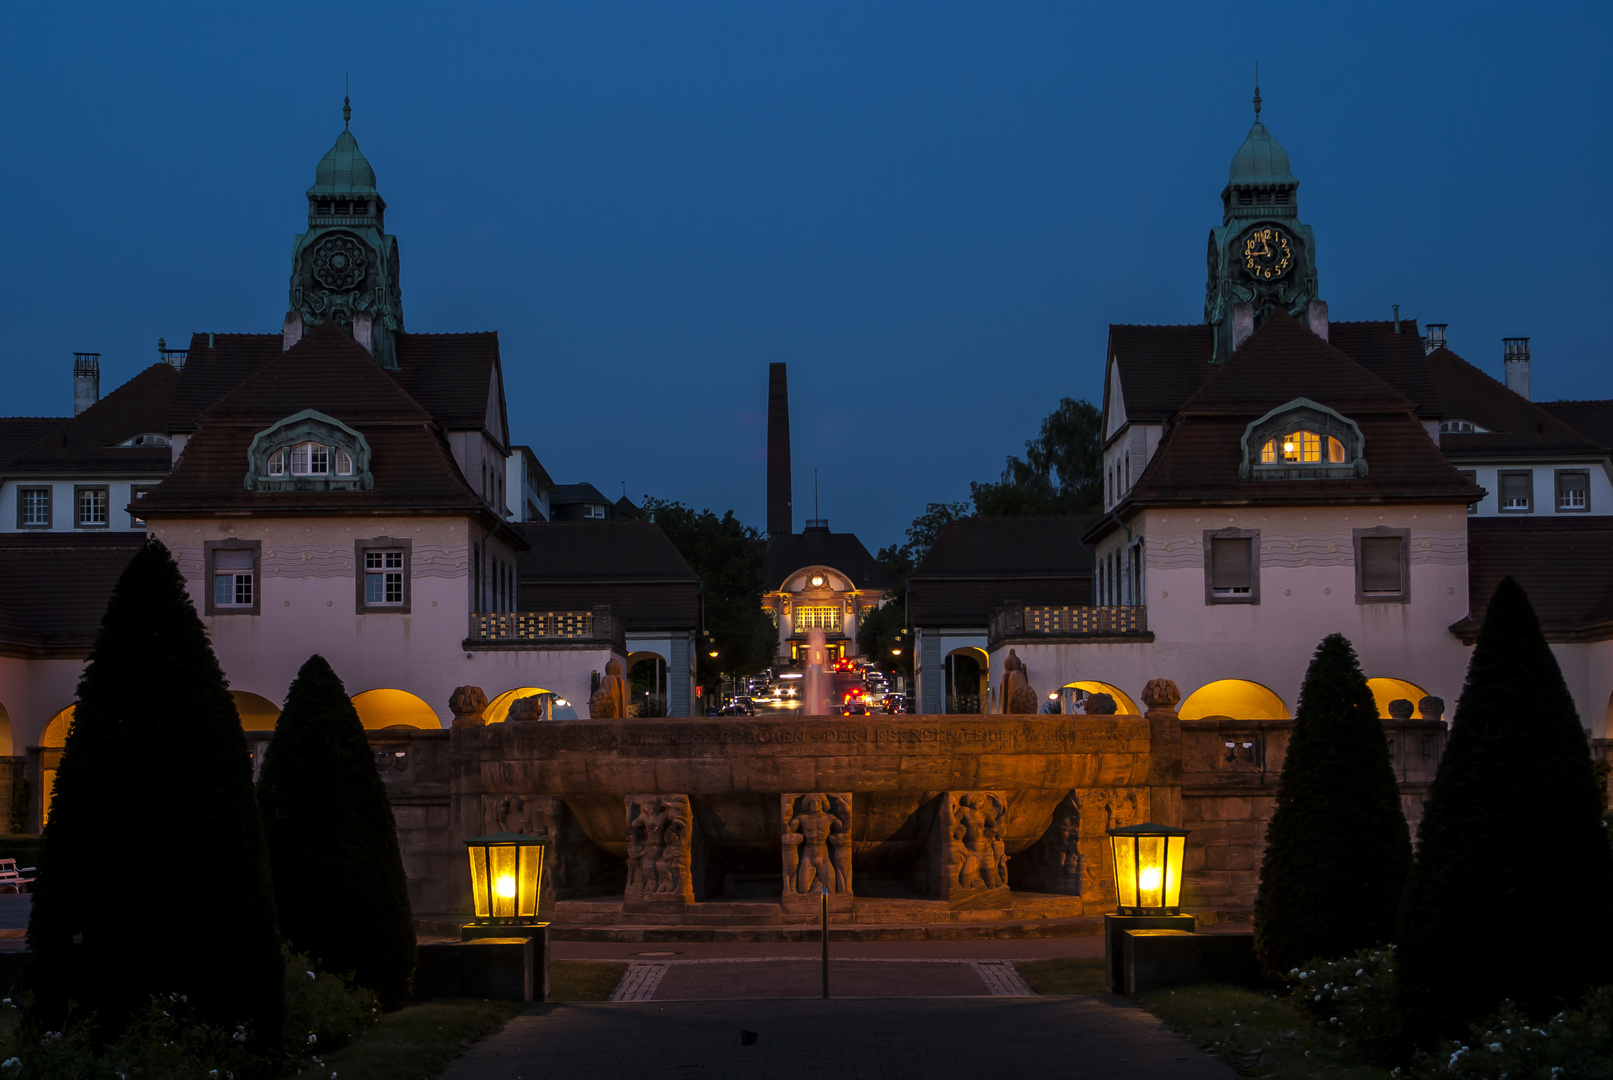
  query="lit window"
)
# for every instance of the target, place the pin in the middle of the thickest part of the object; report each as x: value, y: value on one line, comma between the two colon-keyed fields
x: 33, y: 508
x: 383, y: 577
x: 232, y: 577
x: 1302, y: 448
x: 1517, y: 489
x: 277, y: 463
x: 1573, y: 490
x: 91, y: 504
x: 818, y: 618
x: 1231, y: 567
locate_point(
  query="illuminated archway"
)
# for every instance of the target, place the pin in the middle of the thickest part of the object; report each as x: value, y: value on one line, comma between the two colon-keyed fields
x: 1237, y: 699
x: 5, y: 732
x: 1123, y: 703
x: 498, y: 710
x: 257, y: 712
x: 379, y: 709
x: 55, y: 736
x: 1386, y: 690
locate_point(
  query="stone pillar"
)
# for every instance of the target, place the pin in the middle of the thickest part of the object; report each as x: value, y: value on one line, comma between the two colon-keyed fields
x: 660, y: 849
x: 1165, y: 752
x: 968, y: 858
x: 817, y: 849
x: 467, y: 704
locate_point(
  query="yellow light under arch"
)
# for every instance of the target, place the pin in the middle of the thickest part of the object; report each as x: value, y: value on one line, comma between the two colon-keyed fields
x: 1123, y: 703
x: 379, y: 709
x: 257, y: 712
x: 498, y: 710
x: 5, y: 732
x: 55, y: 736
x: 1386, y: 690
x: 1238, y: 699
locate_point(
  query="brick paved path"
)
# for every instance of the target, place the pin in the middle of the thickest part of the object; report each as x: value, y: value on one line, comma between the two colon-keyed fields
x: 746, y: 978
x: 967, y: 1038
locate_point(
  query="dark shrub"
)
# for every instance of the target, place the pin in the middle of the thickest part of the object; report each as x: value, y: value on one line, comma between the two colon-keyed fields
x: 1513, y: 823
x: 333, y: 844
x: 153, y: 878
x: 1337, y: 848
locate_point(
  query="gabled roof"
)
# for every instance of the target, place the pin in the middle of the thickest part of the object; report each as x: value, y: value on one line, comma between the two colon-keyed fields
x: 571, y: 494
x: 978, y: 564
x: 413, y: 468
x: 213, y: 370
x: 1160, y: 366
x: 630, y: 565
x: 819, y: 547
x: 451, y: 375
x: 1515, y: 425
x: 1199, y: 458
x: 89, y: 441
x: 1396, y: 358
x: 18, y: 433
x: 1565, y: 564
x: 1592, y: 419
x: 54, y: 588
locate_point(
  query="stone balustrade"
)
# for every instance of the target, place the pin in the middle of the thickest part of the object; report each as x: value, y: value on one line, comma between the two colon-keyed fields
x: 515, y: 628
x: 1041, y: 621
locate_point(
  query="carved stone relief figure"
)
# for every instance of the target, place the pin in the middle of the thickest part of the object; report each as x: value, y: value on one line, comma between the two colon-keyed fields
x: 659, y: 848
x: 1017, y: 696
x: 816, y: 844
x: 969, y: 840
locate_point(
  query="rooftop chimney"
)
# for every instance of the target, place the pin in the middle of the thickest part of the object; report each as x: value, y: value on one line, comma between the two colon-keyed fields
x: 174, y: 358
x: 780, y: 512
x: 86, y: 380
x: 1435, y: 338
x: 1515, y: 358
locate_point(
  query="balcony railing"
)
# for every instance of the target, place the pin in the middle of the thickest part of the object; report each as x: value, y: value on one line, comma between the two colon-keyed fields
x: 1028, y: 620
x: 539, y: 627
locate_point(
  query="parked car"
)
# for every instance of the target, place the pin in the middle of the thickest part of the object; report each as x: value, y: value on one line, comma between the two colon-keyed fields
x: 854, y: 708
x: 894, y: 704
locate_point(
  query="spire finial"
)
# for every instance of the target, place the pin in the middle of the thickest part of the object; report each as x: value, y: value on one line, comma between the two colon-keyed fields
x: 1257, y: 93
x: 347, y: 100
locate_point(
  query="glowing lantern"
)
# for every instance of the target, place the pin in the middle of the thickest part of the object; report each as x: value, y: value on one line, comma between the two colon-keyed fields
x: 1148, y: 868
x: 505, y: 871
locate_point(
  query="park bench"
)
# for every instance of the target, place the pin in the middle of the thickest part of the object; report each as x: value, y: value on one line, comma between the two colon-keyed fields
x: 11, y: 876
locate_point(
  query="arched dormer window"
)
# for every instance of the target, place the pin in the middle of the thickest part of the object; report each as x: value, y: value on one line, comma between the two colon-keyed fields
x: 1303, y: 441
x: 309, y: 452
x: 150, y: 438
x: 1461, y: 427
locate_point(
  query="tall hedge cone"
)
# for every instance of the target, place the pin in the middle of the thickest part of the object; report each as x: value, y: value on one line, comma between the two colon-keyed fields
x: 1337, y: 848
x: 333, y: 843
x: 153, y: 878
x: 1512, y: 825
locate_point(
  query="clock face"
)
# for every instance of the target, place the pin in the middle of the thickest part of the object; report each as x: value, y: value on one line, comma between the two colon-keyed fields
x: 1268, y: 253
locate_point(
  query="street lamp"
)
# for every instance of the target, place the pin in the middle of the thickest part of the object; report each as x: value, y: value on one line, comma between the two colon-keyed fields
x: 505, y: 871
x: 1148, y: 868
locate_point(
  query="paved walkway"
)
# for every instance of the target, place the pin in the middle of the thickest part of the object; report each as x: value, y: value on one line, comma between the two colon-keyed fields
x: 755, y: 977
x: 963, y: 1038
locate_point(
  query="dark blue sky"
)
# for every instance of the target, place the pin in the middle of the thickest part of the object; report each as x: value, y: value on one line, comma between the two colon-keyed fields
x: 931, y: 211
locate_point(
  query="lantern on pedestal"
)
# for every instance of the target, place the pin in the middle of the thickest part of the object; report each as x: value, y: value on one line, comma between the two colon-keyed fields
x: 1148, y: 868
x: 506, y: 870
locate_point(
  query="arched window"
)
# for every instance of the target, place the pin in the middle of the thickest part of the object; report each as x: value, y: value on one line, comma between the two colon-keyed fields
x: 1303, y: 441
x: 309, y: 451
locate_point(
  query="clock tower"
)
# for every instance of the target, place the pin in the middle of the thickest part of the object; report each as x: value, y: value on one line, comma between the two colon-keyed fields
x: 344, y: 267
x: 1261, y: 258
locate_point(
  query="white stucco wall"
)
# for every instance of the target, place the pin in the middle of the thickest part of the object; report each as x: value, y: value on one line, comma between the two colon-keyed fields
x: 33, y: 691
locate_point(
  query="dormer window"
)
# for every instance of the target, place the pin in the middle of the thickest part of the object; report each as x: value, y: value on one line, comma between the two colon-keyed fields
x: 148, y: 439
x: 309, y: 451
x: 1461, y: 427
x: 1302, y: 441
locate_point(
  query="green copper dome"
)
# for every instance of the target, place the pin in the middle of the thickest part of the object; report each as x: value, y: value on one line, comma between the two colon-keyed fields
x: 345, y: 171
x: 1260, y: 160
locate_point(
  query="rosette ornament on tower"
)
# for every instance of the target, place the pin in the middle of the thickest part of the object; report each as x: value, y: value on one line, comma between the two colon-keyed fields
x: 1261, y: 257
x: 345, y: 268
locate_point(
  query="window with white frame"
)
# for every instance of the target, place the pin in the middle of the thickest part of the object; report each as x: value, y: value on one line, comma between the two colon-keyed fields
x: 1573, y: 490
x: 383, y: 578
x: 309, y: 452
x: 1517, y: 492
x: 90, y: 505
x: 593, y: 510
x: 233, y: 578
x: 33, y: 508
x: 818, y: 618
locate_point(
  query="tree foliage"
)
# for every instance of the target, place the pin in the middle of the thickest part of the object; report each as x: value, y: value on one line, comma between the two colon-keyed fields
x: 1061, y: 473
x: 153, y: 877
x: 1512, y: 823
x: 1320, y: 897
x: 728, y: 556
x: 333, y: 844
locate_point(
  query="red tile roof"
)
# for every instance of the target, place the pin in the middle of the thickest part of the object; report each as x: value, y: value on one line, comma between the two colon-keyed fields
x: 1592, y: 419
x: 1565, y: 564
x: 630, y: 565
x: 54, y: 588
x: 18, y: 433
x: 213, y: 370
x: 1516, y: 426
x: 89, y: 441
x: 819, y: 547
x: 452, y: 376
x: 978, y: 564
x: 1396, y: 358
x: 1160, y: 366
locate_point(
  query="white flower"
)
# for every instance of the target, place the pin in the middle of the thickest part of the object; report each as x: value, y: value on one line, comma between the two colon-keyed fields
x: 10, y: 1063
x: 183, y: 998
x: 311, y: 975
x: 1495, y: 1048
x: 312, y: 1038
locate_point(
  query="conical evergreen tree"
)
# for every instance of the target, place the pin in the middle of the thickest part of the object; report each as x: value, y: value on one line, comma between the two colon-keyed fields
x: 1512, y: 825
x: 339, y: 882
x: 1337, y: 848
x: 153, y: 878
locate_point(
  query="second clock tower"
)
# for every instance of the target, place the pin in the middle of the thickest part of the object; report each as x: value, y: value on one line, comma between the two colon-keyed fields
x: 1261, y: 257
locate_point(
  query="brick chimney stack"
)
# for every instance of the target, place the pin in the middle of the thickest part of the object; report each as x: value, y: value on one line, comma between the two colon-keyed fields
x: 86, y: 380
x: 780, y: 511
x: 1515, y: 358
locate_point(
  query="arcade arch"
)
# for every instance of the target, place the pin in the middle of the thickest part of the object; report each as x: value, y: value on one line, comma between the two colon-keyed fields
x: 968, y: 680
x: 384, y: 708
x: 1236, y: 699
x: 1386, y: 690
x: 6, y: 745
x: 647, y: 678
x: 257, y: 712
x: 1075, y: 692
x: 498, y: 710
x: 55, y: 734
